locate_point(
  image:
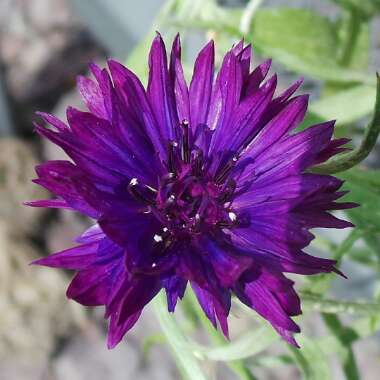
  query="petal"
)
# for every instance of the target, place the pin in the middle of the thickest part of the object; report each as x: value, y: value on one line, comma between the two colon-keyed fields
x: 49, y: 203
x: 225, y: 96
x: 117, y: 331
x: 287, y: 120
x: 215, y: 307
x: 92, y: 234
x: 245, y: 123
x: 227, y: 266
x: 292, y: 154
x: 278, y: 244
x: 160, y: 92
x: 76, y: 258
x: 63, y: 179
x: 260, y: 293
x: 181, y: 91
x: 54, y: 121
x: 101, y: 171
x: 138, y: 111
x: 91, y: 287
x: 201, y: 86
x: 175, y: 288
x: 97, y: 135
x: 244, y: 55
x: 132, y: 296
x: 257, y: 76
x: 92, y: 96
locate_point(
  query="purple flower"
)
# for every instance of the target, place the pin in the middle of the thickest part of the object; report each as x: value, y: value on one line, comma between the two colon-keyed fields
x: 206, y: 184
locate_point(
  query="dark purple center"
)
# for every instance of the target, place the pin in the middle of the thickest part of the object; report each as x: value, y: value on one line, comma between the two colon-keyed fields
x: 188, y: 200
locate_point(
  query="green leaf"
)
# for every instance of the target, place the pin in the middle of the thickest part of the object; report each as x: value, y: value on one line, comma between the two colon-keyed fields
x: 364, y: 186
x: 348, y: 160
x: 311, y: 359
x: 299, y: 32
x: 178, y: 343
x: 321, y: 283
x: 304, y: 42
x: 206, y: 15
x: 346, y: 106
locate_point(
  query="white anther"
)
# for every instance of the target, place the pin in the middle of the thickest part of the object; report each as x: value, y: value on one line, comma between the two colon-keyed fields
x: 157, y: 238
x: 232, y: 216
x: 134, y: 182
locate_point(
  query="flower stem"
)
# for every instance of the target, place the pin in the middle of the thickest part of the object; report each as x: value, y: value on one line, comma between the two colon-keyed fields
x: 345, y: 337
x: 353, y: 32
x: 348, y: 160
x: 237, y: 365
x: 316, y: 303
x: 247, y: 17
x: 178, y: 343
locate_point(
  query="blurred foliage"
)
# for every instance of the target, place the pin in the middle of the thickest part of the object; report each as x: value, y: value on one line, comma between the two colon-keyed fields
x: 334, y: 54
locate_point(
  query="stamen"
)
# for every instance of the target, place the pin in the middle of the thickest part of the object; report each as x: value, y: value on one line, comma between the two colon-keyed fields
x: 171, y: 156
x: 232, y: 216
x: 185, y: 141
x: 222, y: 175
x: 228, y: 191
x: 197, y: 162
x: 137, y: 193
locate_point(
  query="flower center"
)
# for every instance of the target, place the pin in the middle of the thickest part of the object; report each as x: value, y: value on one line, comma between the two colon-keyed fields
x: 190, y: 202
x: 188, y: 199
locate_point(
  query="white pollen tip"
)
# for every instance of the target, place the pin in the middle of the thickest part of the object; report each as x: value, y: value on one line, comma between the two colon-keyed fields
x: 165, y: 229
x: 232, y: 216
x: 133, y: 182
x: 157, y: 238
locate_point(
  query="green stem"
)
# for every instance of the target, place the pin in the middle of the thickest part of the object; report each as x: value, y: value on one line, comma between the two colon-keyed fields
x: 247, y: 17
x: 346, y: 337
x: 351, y: 159
x: 353, y: 32
x: 238, y: 366
x: 316, y: 303
x: 178, y: 343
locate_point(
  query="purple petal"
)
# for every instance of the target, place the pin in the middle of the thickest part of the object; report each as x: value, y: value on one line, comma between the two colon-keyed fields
x: 225, y: 95
x: 257, y: 76
x: 262, y: 294
x: 91, y: 287
x: 116, y: 331
x: 175, y: 288
x: 63, y: 179
x: 49, y: 203
x: 160, y: 91
x: 201, y: 86
x: 76, y: 258
x: 214, y: 307
x: 181, y: 91
x: 92, y: 96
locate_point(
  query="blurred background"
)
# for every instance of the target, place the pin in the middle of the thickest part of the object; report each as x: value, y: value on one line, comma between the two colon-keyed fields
x: 45, y: 44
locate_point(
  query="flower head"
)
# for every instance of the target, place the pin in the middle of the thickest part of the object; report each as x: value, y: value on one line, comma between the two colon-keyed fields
x: 204, y: 184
